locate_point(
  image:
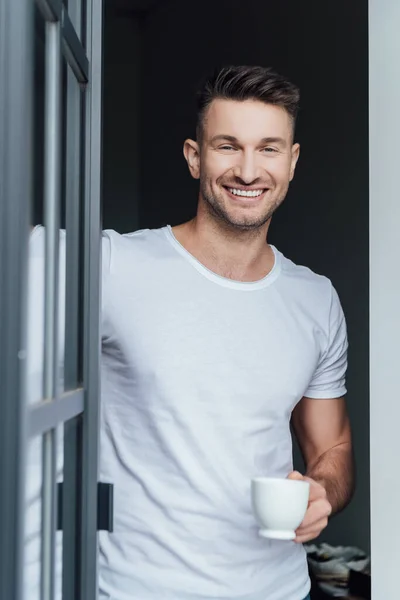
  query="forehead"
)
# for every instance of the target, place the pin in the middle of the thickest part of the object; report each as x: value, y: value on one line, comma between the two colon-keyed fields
x: 246, y: 120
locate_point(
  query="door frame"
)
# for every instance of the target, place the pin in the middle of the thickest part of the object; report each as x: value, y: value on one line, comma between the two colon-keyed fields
x: 384, y: 125
x: 75, y: 34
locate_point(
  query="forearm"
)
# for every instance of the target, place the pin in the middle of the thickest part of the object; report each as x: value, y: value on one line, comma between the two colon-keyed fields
x: 335, y: 471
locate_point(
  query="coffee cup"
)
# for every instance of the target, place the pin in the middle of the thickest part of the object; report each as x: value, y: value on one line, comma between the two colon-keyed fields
x: 279, y: 506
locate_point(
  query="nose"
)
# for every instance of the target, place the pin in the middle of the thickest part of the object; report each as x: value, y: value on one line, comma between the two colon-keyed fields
x: 247, y: 169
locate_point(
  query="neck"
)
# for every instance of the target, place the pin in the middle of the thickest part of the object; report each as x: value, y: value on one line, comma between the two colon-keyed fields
x: 227, y: 251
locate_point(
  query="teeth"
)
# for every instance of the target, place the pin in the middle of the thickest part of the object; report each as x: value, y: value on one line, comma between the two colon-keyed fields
x: 247, y: 193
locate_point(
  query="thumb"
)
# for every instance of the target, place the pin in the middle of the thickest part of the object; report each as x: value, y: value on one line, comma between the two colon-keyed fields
x: 295, y: 475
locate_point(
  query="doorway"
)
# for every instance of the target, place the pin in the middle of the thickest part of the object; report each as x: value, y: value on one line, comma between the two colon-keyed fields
x: 351, y: 52
x: 167, y: 48
x: 353, y: 242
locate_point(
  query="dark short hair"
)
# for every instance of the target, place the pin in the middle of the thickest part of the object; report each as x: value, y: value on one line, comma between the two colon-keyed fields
x: 247, y: 83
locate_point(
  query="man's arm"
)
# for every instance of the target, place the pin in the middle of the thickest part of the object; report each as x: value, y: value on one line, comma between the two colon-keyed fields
x: 322, y: 429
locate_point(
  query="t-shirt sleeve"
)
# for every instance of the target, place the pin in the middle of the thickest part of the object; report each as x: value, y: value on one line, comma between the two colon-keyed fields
x: 329, y: 379
x: 105, y: 254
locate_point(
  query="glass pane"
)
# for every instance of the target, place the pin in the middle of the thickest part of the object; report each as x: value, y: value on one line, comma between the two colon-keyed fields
x: 59, y: 533
x: 38, y: 119
x: 35, y: 328
x: 72, y: 493
x: 33, y: 520
x: 36, y: 306
x: 36, y: 289
x: 35, y: 323
x: 71, y: 205
x: 75, y: 12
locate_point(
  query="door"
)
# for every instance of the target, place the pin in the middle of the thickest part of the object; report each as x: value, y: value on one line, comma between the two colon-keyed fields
x: 50, y: 154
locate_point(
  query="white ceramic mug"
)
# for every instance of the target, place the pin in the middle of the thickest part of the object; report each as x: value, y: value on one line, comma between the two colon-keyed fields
x: 279, y: 505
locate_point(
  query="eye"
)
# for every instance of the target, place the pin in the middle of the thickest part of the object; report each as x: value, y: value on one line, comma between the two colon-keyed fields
x: 227, y: 147
x: 269, y: 150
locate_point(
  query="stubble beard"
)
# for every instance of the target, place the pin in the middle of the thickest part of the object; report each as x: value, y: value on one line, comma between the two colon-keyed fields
x: 217, y: 211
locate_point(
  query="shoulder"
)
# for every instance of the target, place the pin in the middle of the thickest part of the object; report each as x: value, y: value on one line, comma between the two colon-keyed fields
x: 37, y: 248
x: 303, y: 279
x: 135, y: 240
x: 37, y: 239
x: 121, y: 251
x: 310, y: 293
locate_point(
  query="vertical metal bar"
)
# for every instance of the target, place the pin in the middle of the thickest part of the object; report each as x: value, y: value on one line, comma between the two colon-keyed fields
x: 73, y: 237
x: 92, y: 224
x: 48, y: 516
x: 71, y: 568
x: 16, y: 89
x: 52, y: 220
x: 72, y: 429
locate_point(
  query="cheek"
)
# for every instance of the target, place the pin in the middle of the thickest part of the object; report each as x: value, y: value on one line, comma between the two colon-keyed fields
x: 280, y: 171
x: 217, y: 166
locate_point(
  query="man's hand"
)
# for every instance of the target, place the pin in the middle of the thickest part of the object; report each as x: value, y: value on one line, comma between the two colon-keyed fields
x: 318, y: 511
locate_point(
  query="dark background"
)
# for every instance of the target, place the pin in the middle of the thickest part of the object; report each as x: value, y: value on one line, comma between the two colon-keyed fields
x: 154, y: 58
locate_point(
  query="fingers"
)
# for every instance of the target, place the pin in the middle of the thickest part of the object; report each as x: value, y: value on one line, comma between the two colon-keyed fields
x: 320, y: 509
x: 316, y: 490
x: 311, y: 533
x: 295, y: 475
x: 315, y: 521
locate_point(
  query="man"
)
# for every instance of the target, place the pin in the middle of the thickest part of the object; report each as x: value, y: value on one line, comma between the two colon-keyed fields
x: 213, y: 344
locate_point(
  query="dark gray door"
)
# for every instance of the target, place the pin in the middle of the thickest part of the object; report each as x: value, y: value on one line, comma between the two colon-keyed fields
x: 50, y: 156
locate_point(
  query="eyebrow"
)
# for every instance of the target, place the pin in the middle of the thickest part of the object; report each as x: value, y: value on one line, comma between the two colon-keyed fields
x: 231, y: 138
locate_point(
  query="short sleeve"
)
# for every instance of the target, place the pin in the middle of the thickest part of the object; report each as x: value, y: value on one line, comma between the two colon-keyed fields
x: 329, y: 379
x: 105, y: 253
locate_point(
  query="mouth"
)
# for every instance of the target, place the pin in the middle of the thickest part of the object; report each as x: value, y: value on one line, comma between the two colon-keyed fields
x: 248, y: 195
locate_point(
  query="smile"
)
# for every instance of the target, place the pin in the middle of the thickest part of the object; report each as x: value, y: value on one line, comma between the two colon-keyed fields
x: 245, y: 193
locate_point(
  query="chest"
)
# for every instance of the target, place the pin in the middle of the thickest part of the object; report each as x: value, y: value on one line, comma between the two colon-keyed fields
x: 254, y: 348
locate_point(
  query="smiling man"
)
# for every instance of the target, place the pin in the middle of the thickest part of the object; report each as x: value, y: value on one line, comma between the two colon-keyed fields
x: 214, y: 344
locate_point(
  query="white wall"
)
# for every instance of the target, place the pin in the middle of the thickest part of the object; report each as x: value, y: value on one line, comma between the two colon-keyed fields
x: 385, y: 296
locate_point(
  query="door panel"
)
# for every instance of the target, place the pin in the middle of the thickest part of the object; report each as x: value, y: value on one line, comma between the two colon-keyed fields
x: 50, y: 153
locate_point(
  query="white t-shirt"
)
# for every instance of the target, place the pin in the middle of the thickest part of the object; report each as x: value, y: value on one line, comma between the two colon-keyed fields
x: 200, y: 375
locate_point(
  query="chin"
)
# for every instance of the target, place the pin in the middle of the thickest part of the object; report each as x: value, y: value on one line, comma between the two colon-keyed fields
x: 244, y: 218
x: 245, y: 224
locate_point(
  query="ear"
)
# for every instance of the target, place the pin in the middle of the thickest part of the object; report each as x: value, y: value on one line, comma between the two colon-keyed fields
x: 295, y: 158
x: 191, y: 152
